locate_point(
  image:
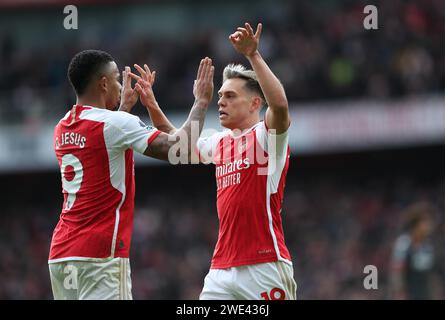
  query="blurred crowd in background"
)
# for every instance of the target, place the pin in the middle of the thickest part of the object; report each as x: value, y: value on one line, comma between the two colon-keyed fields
x: 319, y: 50
x: 334, y: 226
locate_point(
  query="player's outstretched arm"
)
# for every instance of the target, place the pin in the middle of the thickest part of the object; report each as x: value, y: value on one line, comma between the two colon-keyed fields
x: 246, y: 42
x: 144, y: 87
x: 203, y: 92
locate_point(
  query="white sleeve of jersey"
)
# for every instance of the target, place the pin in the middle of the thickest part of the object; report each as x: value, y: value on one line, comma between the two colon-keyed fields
x: 207, y: 147
x: 272, y: 143
x: 132, y: 131
x: 276, y: 146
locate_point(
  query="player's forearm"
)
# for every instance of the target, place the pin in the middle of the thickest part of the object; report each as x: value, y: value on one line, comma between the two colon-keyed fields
x: 160, y: 120
x: 183, y: 140
x: 192, y: 127
x: 270, y: 85
x: 195, y: 118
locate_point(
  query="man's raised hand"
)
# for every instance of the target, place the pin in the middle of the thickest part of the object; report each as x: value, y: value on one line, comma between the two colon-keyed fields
x: 245, y: 41
x: 203, y: 86
x: 144, y: 85
x: 129, y: 96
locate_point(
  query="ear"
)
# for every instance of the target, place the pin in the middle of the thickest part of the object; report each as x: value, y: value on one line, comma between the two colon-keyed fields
x: 256, y: 104
x: 103, y: 84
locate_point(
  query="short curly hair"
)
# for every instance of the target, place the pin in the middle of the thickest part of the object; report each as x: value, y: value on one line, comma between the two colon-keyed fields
x: 85, y: 66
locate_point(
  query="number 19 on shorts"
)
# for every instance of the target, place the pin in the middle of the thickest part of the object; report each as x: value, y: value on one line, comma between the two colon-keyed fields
x: 274, y: 294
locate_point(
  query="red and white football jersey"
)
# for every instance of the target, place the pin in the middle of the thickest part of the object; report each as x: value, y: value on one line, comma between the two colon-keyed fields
x: 94, y: 148
x: 250, y: 178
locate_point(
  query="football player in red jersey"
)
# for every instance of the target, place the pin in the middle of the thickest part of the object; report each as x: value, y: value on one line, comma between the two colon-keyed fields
x: 251, y: 260
x: 89, y: 254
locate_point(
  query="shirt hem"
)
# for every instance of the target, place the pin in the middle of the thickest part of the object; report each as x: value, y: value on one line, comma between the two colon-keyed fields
x: 248, y: 262
x: 90, y: 259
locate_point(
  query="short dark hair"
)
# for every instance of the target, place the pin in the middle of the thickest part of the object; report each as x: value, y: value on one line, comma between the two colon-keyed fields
x: 84, y: 66
x: 233, y: 71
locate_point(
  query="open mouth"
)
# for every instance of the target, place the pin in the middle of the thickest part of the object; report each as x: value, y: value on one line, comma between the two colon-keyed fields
x: 222, y: 113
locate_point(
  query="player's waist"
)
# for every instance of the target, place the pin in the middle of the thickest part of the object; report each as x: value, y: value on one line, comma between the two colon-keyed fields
x: 224, y: 264
x: 99, y: 252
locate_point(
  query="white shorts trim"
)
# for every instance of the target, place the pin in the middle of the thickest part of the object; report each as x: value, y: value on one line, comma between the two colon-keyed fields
x: 80, y: 259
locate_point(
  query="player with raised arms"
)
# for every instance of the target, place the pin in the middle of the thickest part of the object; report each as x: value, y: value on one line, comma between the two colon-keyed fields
x: 90, y: 247
x: 251, y: 260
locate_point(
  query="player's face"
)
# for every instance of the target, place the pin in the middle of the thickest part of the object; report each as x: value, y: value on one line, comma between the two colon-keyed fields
x: 425, y: 227
x: 235, y: 104
x: 113, y: 86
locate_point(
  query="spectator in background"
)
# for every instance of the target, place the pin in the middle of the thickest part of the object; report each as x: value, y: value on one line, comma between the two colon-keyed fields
x: 413, y: 255
x: 318, y: 50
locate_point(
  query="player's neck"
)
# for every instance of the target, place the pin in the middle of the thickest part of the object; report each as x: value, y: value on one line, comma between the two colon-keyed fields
x: 90, y: 100
x: 246, y: 125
